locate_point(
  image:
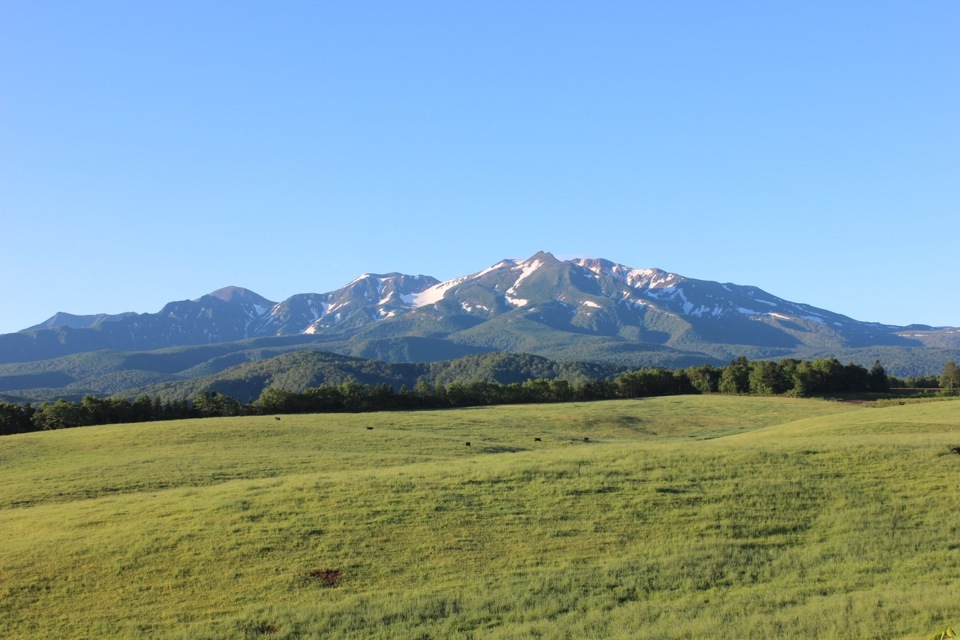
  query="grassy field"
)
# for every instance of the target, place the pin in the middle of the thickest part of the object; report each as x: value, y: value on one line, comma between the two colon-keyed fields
x: 694, y: 516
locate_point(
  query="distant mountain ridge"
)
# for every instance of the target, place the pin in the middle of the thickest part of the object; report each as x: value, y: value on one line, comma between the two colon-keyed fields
x: 62, y: 319
x: 581, y: 309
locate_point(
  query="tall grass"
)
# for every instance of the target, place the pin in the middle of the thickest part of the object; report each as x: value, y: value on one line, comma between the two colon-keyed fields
x: 680, y: 517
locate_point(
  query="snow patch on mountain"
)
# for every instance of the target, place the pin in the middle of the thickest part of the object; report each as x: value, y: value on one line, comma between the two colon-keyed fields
x: 703, y: 310
x: 470, y: 308
x: 527, y: 269
x: 431, y: 295
x: 500, y: 265
x: 633, y: 278
x: 581, y: 284
x: 358, y: 279
x: 653, y: 279
x: 338, y: 305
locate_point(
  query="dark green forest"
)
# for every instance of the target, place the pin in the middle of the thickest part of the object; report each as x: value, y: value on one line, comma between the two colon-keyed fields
x: 796, y: 378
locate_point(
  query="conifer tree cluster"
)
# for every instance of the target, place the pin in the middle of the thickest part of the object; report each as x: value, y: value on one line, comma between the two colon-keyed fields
x: 797, y: 378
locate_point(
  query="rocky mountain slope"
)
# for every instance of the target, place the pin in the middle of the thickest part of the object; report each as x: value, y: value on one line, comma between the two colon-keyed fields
x: 582, y: 309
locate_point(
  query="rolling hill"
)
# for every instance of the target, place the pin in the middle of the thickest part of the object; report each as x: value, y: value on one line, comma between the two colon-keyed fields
x: 695, y: 516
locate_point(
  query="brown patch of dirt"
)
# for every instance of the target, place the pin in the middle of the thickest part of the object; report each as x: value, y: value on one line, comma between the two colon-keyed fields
x: 329, y: 577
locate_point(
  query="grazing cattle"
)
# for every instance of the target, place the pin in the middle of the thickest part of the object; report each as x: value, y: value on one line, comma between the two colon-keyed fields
x: 277, y: 418
x: 369, y: 428
x: 586, y: 439
x: 537, y: 440
x: 468, y: 444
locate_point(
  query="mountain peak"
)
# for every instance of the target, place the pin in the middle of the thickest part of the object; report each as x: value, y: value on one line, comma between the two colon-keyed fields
x: 537, y: 304
x: 648, y: 278
x: 541, y: 255
x: 239, y: 294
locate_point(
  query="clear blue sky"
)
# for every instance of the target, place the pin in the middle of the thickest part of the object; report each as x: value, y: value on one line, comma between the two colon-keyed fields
x: 155, y: 151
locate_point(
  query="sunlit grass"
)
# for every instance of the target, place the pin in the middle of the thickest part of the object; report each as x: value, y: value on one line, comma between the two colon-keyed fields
x: 820, y: 519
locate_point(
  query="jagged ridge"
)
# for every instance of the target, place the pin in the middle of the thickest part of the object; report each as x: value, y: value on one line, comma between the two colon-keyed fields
x: 586, y: 308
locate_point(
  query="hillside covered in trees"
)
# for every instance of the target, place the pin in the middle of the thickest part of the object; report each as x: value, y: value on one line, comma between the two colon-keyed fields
x: 489, y: 381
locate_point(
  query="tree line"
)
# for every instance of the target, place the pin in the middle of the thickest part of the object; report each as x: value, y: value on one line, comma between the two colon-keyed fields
x: 797, y: 378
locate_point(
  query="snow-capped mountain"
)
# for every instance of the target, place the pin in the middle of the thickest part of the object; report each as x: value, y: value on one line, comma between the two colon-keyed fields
x: 583, y: 308
x: 368, y: 299
x: 601, y: 298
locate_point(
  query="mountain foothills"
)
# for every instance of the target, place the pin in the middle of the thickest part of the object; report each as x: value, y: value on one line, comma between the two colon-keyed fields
x: 568, y: 310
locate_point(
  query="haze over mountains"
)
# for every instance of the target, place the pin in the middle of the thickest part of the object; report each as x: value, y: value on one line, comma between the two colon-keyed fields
x: 585, y: 310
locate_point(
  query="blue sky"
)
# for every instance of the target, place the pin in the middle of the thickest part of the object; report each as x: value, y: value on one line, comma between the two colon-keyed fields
x: 155, y: 151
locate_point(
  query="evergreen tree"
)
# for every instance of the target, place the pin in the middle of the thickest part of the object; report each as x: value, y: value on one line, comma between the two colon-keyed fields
x: 15, y: 418
x: 877, y: 378
x: 855, y: 378
x: 826, y: 376
x: 950, y: 378
x: 213, y: 404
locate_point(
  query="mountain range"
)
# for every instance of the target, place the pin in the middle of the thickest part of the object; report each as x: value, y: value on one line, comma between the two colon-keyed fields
x: 581, y: 309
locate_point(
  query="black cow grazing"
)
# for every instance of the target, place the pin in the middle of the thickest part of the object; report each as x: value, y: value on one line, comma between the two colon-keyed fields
x: 277, y: 418
x: 586, y: 439
x: 537, y: 440
x: 369, y: 428
x: 468, y: 444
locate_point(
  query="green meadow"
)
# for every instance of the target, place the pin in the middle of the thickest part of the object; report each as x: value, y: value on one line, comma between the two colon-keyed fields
x: 674, y: 517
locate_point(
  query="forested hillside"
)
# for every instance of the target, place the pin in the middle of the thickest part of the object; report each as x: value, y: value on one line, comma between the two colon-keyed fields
x: 481, y: 380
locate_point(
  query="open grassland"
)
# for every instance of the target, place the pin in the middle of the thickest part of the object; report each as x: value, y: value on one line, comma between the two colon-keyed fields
x: 694, y: 516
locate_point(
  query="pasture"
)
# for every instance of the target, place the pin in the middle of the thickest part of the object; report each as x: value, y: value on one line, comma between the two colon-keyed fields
x: 675, y: 517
